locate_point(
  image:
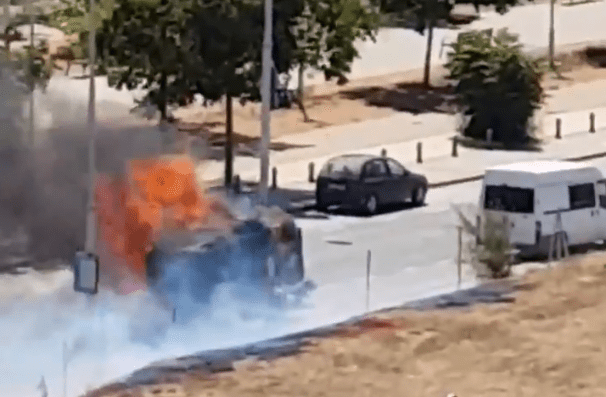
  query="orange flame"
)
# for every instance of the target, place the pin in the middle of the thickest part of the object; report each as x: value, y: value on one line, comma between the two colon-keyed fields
x: 132, y: 210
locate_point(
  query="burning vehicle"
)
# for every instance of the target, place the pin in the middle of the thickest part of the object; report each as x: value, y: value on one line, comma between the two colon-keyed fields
x: 158, y: 231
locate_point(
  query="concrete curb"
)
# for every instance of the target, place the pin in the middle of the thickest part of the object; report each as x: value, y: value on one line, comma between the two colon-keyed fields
x: 479, y: 177
x: 298, y: 207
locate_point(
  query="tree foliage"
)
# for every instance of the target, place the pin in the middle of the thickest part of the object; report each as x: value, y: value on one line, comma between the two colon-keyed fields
x: 72, y: 17
x: 174, y: 49
x: 498, y: 86
x: 146, y: 43
x: 326, y: 32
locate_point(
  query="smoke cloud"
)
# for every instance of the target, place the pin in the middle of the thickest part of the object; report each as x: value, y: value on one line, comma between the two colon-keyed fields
x: 44, y: 189
x: 49, y: 331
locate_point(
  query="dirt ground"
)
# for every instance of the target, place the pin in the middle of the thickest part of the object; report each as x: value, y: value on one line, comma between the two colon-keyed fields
x: 551, y: 341
x: 367, y: 99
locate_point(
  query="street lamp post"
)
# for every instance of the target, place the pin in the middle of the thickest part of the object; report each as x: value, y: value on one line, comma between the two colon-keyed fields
x: 265, y: 105
x: 91, y: 228
x: 552, y: 35
x: 31, y: 75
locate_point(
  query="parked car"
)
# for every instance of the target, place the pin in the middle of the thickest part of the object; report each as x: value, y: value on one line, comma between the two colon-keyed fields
x: 366, y: 182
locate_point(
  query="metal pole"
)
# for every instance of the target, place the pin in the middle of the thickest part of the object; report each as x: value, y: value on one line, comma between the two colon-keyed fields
x: 31, y: 75
x: 65, y: 359
x: 266, y: 96
x: 459, y: 254
x: 552, y: 34
x: 91, y: 227
x: 367, y: 280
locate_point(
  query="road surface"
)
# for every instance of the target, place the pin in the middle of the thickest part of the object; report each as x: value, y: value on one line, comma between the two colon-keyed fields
x: 412, y: 257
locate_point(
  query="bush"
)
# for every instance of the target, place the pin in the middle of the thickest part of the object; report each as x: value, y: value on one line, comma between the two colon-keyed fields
x: 498, y: 87
x: 492, y: 257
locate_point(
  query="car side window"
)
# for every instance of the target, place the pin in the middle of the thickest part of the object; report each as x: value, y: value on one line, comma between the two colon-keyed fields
x: 375, y: 169
x: 395, y: 168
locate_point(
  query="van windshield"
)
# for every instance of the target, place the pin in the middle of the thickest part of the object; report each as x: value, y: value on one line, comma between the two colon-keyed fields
x: 509, y: 199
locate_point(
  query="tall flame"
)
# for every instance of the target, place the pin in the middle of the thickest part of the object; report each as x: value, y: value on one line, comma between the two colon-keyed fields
x: 133, y: 209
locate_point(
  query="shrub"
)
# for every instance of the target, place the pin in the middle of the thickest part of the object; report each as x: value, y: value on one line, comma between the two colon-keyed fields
x: 498, y: 87
x: 492, y: 257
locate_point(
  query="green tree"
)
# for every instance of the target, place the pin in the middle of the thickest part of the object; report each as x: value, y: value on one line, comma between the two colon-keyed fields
x: 145, y: 43
x: 424, y: 15
x: 498, y: 86
x: 177, y: 48
x: 427, y: 13
x: 72, y: 17
x: 325, y: 34
x: 227, y: 36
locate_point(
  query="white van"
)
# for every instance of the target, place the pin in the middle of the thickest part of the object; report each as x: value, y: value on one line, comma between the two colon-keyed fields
x: 531, y: 194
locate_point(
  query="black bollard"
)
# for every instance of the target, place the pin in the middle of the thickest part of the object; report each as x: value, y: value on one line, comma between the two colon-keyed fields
x: 591, y: 122
x: 455, y: 142
x: 383, y: 153
x: 274, y: 178
x: 558, y: 129
x: 419, y: 152
x: 311, y: 173
x: 237, y: 184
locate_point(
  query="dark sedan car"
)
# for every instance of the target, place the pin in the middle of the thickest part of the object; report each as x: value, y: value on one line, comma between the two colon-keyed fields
x: 365, y: 182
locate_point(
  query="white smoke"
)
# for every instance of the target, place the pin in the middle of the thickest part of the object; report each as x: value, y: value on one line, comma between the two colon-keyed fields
x: 104, y: 337
x: 49, y: 331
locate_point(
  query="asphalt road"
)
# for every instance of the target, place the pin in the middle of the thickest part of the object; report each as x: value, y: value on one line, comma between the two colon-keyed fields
x: 412, y: 257
x: 397, y: 240
x: 413, y: 251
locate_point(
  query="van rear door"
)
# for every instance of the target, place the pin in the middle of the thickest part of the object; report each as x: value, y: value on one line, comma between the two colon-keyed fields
x: 601, y: 211
x: 518, y: 205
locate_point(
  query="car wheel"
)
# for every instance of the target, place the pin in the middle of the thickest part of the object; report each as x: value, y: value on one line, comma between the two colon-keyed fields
x: 418, y: 196
x: 371, y: 205
x: 320, y: 204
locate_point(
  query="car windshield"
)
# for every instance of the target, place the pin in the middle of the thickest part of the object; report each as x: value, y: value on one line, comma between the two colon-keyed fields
x: 343, y: 167
x: 509, y: 199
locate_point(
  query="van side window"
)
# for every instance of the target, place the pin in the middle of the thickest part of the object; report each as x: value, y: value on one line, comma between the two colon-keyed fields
x: 582, y: 196
x: 601, y: 185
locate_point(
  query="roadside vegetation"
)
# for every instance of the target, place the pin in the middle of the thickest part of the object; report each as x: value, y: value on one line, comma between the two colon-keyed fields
x: 498, y: 87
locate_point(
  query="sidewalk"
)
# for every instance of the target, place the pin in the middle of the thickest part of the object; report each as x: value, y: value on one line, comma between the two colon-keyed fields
x: 573, y: 25
x: 295, y: 193
x: 293, y: 165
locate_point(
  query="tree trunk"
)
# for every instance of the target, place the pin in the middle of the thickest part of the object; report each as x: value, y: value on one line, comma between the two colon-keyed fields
x: 162, y: 97
x: 229, y: 160
x: 432, y: 22
x: 301, y: 94
x: 301, y: 82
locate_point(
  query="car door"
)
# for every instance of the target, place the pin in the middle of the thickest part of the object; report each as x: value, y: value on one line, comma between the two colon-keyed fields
x: 377, y: 180
x: 400, y: 180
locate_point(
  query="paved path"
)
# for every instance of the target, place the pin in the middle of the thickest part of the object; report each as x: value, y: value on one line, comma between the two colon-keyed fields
x: 438, y: 164
x: 398, y: 50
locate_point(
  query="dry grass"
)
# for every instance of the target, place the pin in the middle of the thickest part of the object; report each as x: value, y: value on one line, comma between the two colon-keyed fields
x: 550, y: 342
